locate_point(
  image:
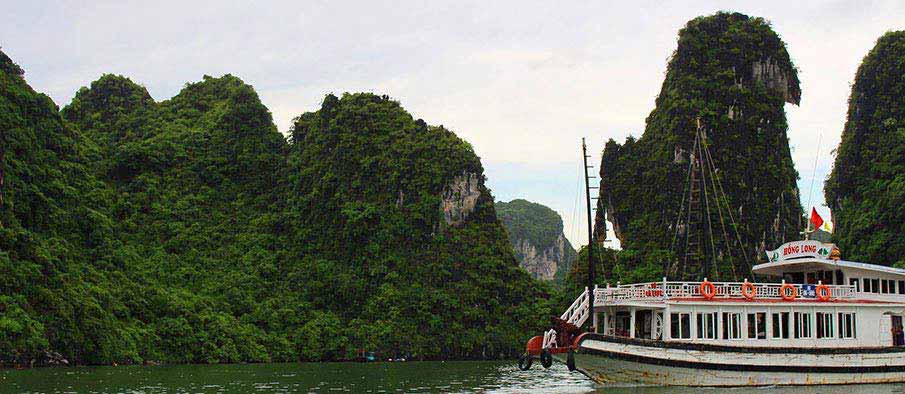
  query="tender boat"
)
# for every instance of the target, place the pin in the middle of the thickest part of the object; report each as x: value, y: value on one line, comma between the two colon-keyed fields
x: 807, y: 318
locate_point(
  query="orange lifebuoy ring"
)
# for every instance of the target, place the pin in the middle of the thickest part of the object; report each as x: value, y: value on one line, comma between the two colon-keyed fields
x: 787, y: 296
x: 708, y: 290
x: 823, y: 292
x: 748, y: 290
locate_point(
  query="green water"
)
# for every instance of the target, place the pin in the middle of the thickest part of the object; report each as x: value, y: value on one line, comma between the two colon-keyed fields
x: 424, y: 377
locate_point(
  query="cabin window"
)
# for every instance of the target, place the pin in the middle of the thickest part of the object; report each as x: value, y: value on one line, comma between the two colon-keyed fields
x: 680, y: 325
x: 902, y: 287
x: 875, y: 285
x: 854, y: 282
x: 846, y: 325
x: 802, y: 323
x: 706, y: 325
x: 811, y: 278
x: 781, y: 325
x: 757, y: 325
x: 824, y: 325
x: 732, y: 325
x: 623, y: 324
x: 884, y: 286
x: 867, y: 288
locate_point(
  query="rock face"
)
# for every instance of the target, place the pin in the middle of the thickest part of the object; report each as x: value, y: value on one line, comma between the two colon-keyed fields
x: 729, y: 77
x: 866, y: 189
x: 536, y: 234
x: 460, y: 197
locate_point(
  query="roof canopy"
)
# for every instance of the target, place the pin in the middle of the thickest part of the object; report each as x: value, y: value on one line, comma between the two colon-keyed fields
x: 777, y: 268
x: 805, y: 256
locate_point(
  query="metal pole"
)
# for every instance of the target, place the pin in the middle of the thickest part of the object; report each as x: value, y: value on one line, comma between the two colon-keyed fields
x: 587, y: 185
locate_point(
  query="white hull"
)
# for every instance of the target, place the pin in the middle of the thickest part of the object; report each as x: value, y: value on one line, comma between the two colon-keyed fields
x: 627, y: 362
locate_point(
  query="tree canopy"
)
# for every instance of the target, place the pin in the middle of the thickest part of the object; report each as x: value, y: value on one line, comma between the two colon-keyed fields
x: 191, y: 230
x: 866, y: 189
x: 731, y: 74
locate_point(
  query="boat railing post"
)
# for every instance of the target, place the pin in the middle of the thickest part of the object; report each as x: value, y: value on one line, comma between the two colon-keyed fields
x: 663, y: 295
x: 594, y: 312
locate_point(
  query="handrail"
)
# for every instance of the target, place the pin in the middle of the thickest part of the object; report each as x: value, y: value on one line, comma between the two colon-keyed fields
x: 660, y: 291
x: 577, y: 314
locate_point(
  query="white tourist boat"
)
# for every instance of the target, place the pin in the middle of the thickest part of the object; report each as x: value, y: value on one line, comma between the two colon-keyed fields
x: 807, y: 318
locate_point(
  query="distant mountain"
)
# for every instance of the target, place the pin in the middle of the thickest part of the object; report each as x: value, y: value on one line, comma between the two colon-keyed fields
x: 866, y: 189
x: 728, y: 81
x: 536, y: 234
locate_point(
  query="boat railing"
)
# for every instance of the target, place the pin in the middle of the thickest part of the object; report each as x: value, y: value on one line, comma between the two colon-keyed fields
x: 577, y: 314
x: 664, y: 290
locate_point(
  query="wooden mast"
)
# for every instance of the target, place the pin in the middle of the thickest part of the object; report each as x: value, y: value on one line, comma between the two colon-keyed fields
x: 587, y: 185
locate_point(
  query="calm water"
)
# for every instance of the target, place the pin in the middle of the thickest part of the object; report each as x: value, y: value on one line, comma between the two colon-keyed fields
x: 425, y: 377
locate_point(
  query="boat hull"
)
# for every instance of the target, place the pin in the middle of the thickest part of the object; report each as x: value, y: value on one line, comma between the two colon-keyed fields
x: 635, y: 362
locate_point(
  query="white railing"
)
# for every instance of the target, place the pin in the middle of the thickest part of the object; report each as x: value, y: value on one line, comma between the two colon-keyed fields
x: 577, y: 314
x: 660, y: 291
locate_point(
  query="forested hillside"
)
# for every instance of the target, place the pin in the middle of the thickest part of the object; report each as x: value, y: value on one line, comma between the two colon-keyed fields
x: 536, y: 234
x: 191, y: 230
x: 866, y: 189
x: 727, y: 80
x: 63, y: 281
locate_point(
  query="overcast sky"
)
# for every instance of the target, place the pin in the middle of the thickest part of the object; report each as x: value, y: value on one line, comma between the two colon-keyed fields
x: 522, y: 81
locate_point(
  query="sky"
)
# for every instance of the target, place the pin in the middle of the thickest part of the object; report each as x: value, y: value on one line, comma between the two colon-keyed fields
x: 522, y: 81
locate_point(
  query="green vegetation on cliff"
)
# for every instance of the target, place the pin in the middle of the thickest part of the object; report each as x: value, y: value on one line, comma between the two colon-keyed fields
x: 536, y: 234
x: 731, y: 72
x: 866, y: 189
x: 410, y: 252
x: 191, y: 230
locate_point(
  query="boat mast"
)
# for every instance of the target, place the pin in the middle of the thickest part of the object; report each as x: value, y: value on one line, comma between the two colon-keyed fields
x: 587, y: 186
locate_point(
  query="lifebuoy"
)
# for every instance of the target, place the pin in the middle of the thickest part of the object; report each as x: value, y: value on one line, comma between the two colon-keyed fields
x: 823, y: 292
x: 748, y: 290
x: 708, y: 289
x: 788, y: 296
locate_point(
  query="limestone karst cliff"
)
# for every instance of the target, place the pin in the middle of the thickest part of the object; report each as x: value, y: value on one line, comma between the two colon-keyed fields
x: 726, y: 85
x: 536, y: 234
x: 192, y: 230
x: 866, y: 189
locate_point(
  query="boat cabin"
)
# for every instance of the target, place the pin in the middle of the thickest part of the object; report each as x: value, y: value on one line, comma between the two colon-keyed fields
x: 805, y: 296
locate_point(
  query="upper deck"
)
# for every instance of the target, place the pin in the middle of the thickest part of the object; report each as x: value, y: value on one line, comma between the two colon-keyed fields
x: 803, y: 264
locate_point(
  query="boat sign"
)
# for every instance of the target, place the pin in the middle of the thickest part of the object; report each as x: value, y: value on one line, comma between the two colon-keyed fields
x: 799, y: 249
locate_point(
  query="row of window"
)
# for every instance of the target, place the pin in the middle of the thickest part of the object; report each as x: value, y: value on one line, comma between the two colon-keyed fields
x: 823, y: 326
x: 879, y: 286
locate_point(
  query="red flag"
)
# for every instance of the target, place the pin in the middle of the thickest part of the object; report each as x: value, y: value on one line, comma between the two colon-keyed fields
x: 815, y: 218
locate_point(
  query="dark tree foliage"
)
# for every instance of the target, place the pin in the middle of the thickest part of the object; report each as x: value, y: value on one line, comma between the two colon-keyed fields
x: 61, y: 281
x: 191, y: 230
x: 733, y: 73
x: 366, y: 182
x: 866, y: 188
x: 538, y: 225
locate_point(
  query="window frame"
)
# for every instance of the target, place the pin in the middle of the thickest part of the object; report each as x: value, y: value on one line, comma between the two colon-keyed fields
x: 752, y: 317
x: 675, y: 323
x: 824, y: 322
x: 732, y: 324
x: 705, y: 321
x: 847, y: 325
x: 778, y: 323
x: 802, y: 320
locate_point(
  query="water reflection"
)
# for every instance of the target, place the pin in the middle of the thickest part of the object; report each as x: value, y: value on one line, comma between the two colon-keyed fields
x: 427, y: 377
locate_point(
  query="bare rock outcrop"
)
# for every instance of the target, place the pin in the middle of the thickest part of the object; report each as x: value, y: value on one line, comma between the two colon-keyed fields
x: 460, y: 197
